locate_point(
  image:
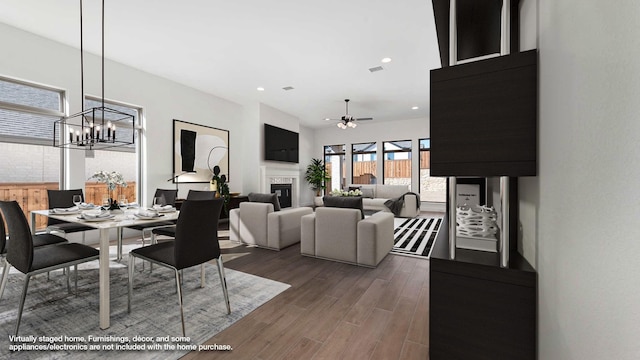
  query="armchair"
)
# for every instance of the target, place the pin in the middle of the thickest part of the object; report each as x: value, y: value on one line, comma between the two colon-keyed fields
x: 339, y: 234
x: 258, y: 224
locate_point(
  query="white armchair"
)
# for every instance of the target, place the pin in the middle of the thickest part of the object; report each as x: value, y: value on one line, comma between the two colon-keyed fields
x: 258, y: 224
x: 339, y: 234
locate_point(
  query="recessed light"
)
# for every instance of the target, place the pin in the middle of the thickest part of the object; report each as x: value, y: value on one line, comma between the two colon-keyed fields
x: 386, y: 60
x: 326, y: 119
x: 415, y: 108
x: 260, y: 88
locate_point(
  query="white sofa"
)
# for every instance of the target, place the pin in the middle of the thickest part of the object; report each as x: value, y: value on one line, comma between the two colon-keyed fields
x: 339, y: 234
x: 258, y: 224
x: 381, y: 193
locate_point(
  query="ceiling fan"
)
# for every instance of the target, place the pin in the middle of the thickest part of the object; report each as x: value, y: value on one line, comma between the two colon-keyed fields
x: 348, y: 121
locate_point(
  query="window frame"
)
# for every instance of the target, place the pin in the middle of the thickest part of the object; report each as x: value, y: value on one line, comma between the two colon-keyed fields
x: 354, y: 153
x: 385, y: 152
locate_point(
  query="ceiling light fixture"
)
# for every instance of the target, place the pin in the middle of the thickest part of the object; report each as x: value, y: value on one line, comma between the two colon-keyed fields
x: 94, y: 128
x: 415, y: 108
x: 386, y: 60
x: 348, y: 121
x: 260, y: 88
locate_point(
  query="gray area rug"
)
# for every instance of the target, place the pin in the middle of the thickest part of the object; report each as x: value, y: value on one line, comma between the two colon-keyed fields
x: 50, y: 311
x: 415, y: 237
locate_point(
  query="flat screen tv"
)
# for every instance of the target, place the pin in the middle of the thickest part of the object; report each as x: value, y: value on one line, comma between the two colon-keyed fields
x: 280, y: 144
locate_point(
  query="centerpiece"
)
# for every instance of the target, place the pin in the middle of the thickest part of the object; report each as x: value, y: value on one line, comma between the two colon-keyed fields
x: 338, y: 192
x: 112, y: 180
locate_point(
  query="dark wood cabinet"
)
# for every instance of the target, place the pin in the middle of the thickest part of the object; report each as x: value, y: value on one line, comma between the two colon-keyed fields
x: 478, y: 310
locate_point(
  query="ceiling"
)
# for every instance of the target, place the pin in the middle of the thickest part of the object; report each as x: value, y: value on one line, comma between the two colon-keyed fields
x: 323, y: 49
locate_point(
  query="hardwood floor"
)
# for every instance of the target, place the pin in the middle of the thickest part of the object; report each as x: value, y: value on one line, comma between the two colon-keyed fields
x: 331, y: 311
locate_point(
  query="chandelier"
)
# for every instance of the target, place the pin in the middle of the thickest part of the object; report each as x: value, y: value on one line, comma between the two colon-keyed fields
x: 94, y: 128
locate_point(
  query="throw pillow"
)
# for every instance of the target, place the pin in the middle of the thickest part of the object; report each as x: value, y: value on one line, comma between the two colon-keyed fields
x: 349, y: 202
x: 367, y: 193
x: 265, y: 198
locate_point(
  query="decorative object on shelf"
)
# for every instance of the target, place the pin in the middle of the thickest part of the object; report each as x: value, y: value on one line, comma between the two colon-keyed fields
x: 316, y: 175
x: 94, y: 128
x: 476, y: 221
x: 220, y: 186
x: 348, y: 121
x: 471, y: 191
x: 112, y: 180
x: 197, y: 149
x: 338, y: 192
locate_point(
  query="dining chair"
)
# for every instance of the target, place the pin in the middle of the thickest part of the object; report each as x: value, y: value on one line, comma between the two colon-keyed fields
x: 171, y: 230
x: 38, y: 240
x: 196, y: 242
x: 64, y: 199
x: 169, y: 198
x: 30, y: 260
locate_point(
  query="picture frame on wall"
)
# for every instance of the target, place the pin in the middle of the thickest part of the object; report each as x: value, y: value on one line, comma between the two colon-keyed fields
x: 471, y: 191
x: 197, y: 149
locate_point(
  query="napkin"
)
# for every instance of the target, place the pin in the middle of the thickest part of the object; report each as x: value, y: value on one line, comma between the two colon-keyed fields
x: 132, y: 205
x: 65, y: 210
x: 86, y: 206
x: 96, y: 215
x: 148, y: 213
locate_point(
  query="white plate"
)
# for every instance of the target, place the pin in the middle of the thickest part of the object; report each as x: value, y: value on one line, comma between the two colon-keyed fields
x: 143, y: 217
x: 97, y: 219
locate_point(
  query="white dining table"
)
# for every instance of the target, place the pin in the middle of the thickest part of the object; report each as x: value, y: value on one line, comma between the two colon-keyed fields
x: 121, y: 220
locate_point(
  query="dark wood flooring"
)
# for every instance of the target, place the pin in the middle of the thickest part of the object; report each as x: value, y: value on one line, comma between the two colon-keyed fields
x: 331, y: 311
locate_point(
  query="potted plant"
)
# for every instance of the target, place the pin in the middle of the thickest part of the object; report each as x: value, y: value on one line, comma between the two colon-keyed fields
x: 316, y: 175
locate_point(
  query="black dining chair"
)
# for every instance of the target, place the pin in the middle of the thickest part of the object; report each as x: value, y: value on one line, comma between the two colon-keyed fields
x: 38, y: 240
x: 196, y: 242
x: 30, y: 260
x: 171, y: 230
x: 64, y: 199
x: 169, y: 197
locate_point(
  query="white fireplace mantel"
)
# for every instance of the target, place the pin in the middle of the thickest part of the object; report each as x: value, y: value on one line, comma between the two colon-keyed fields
x: 275, y: 175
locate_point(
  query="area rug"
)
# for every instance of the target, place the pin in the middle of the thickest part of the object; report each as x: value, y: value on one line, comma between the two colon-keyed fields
x: 69, y: 324
x: 415, y: 237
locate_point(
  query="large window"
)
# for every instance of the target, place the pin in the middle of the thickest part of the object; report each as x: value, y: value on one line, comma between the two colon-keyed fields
x: 397, y: 162
x: 30, y: 165
x: 364, y: 163
x: 432, y: 189
x: 335, y: 164
x: 123, y: 159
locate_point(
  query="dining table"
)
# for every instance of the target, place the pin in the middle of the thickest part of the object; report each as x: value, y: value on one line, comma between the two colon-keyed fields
x: 121, y: 219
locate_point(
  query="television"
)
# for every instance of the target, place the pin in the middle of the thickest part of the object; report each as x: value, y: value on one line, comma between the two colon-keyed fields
x: 280, y: 144
x: 484, y: 117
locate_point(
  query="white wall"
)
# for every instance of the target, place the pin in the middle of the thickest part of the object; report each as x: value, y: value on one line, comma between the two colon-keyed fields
x: 33, y: 58
x: 589, y: 207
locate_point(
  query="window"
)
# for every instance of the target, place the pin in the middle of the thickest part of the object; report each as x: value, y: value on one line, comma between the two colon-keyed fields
x: 397, y: 162
x: 335, y: 164
x: 123, y: 159
x: 432, y: 189
x: 30, y: 165
x: 364, y: 163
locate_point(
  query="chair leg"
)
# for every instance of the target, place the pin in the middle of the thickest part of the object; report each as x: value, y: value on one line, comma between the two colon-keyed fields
x: 202, y: 274
x: 68, y: 283
x: 130, y: 281
x: 5, y: 276
x: 24, y: 295
x: 119, y: 247
x: 180, y: 300
x: 75, y: 270
x: 223, y: 282
x: 83, y: 236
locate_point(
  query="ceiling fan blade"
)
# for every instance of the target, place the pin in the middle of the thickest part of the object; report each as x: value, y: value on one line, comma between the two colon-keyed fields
x: 364, y: 119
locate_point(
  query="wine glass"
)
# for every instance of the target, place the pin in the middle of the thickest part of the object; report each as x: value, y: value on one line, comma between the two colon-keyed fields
x: 122, y: 202
x: 77, y: 200
x: 106, y: 203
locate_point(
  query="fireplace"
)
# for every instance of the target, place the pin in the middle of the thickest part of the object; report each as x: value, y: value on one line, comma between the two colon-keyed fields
x: 270, y: 176
x: 284, y: 194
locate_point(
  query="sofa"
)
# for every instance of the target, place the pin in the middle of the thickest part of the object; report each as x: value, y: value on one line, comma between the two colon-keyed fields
x: 374, y: 197
x: 256, y: 223
x: 340, y: 234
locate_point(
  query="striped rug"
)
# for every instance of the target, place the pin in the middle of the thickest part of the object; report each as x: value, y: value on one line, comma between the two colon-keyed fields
x: 414, y: 237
